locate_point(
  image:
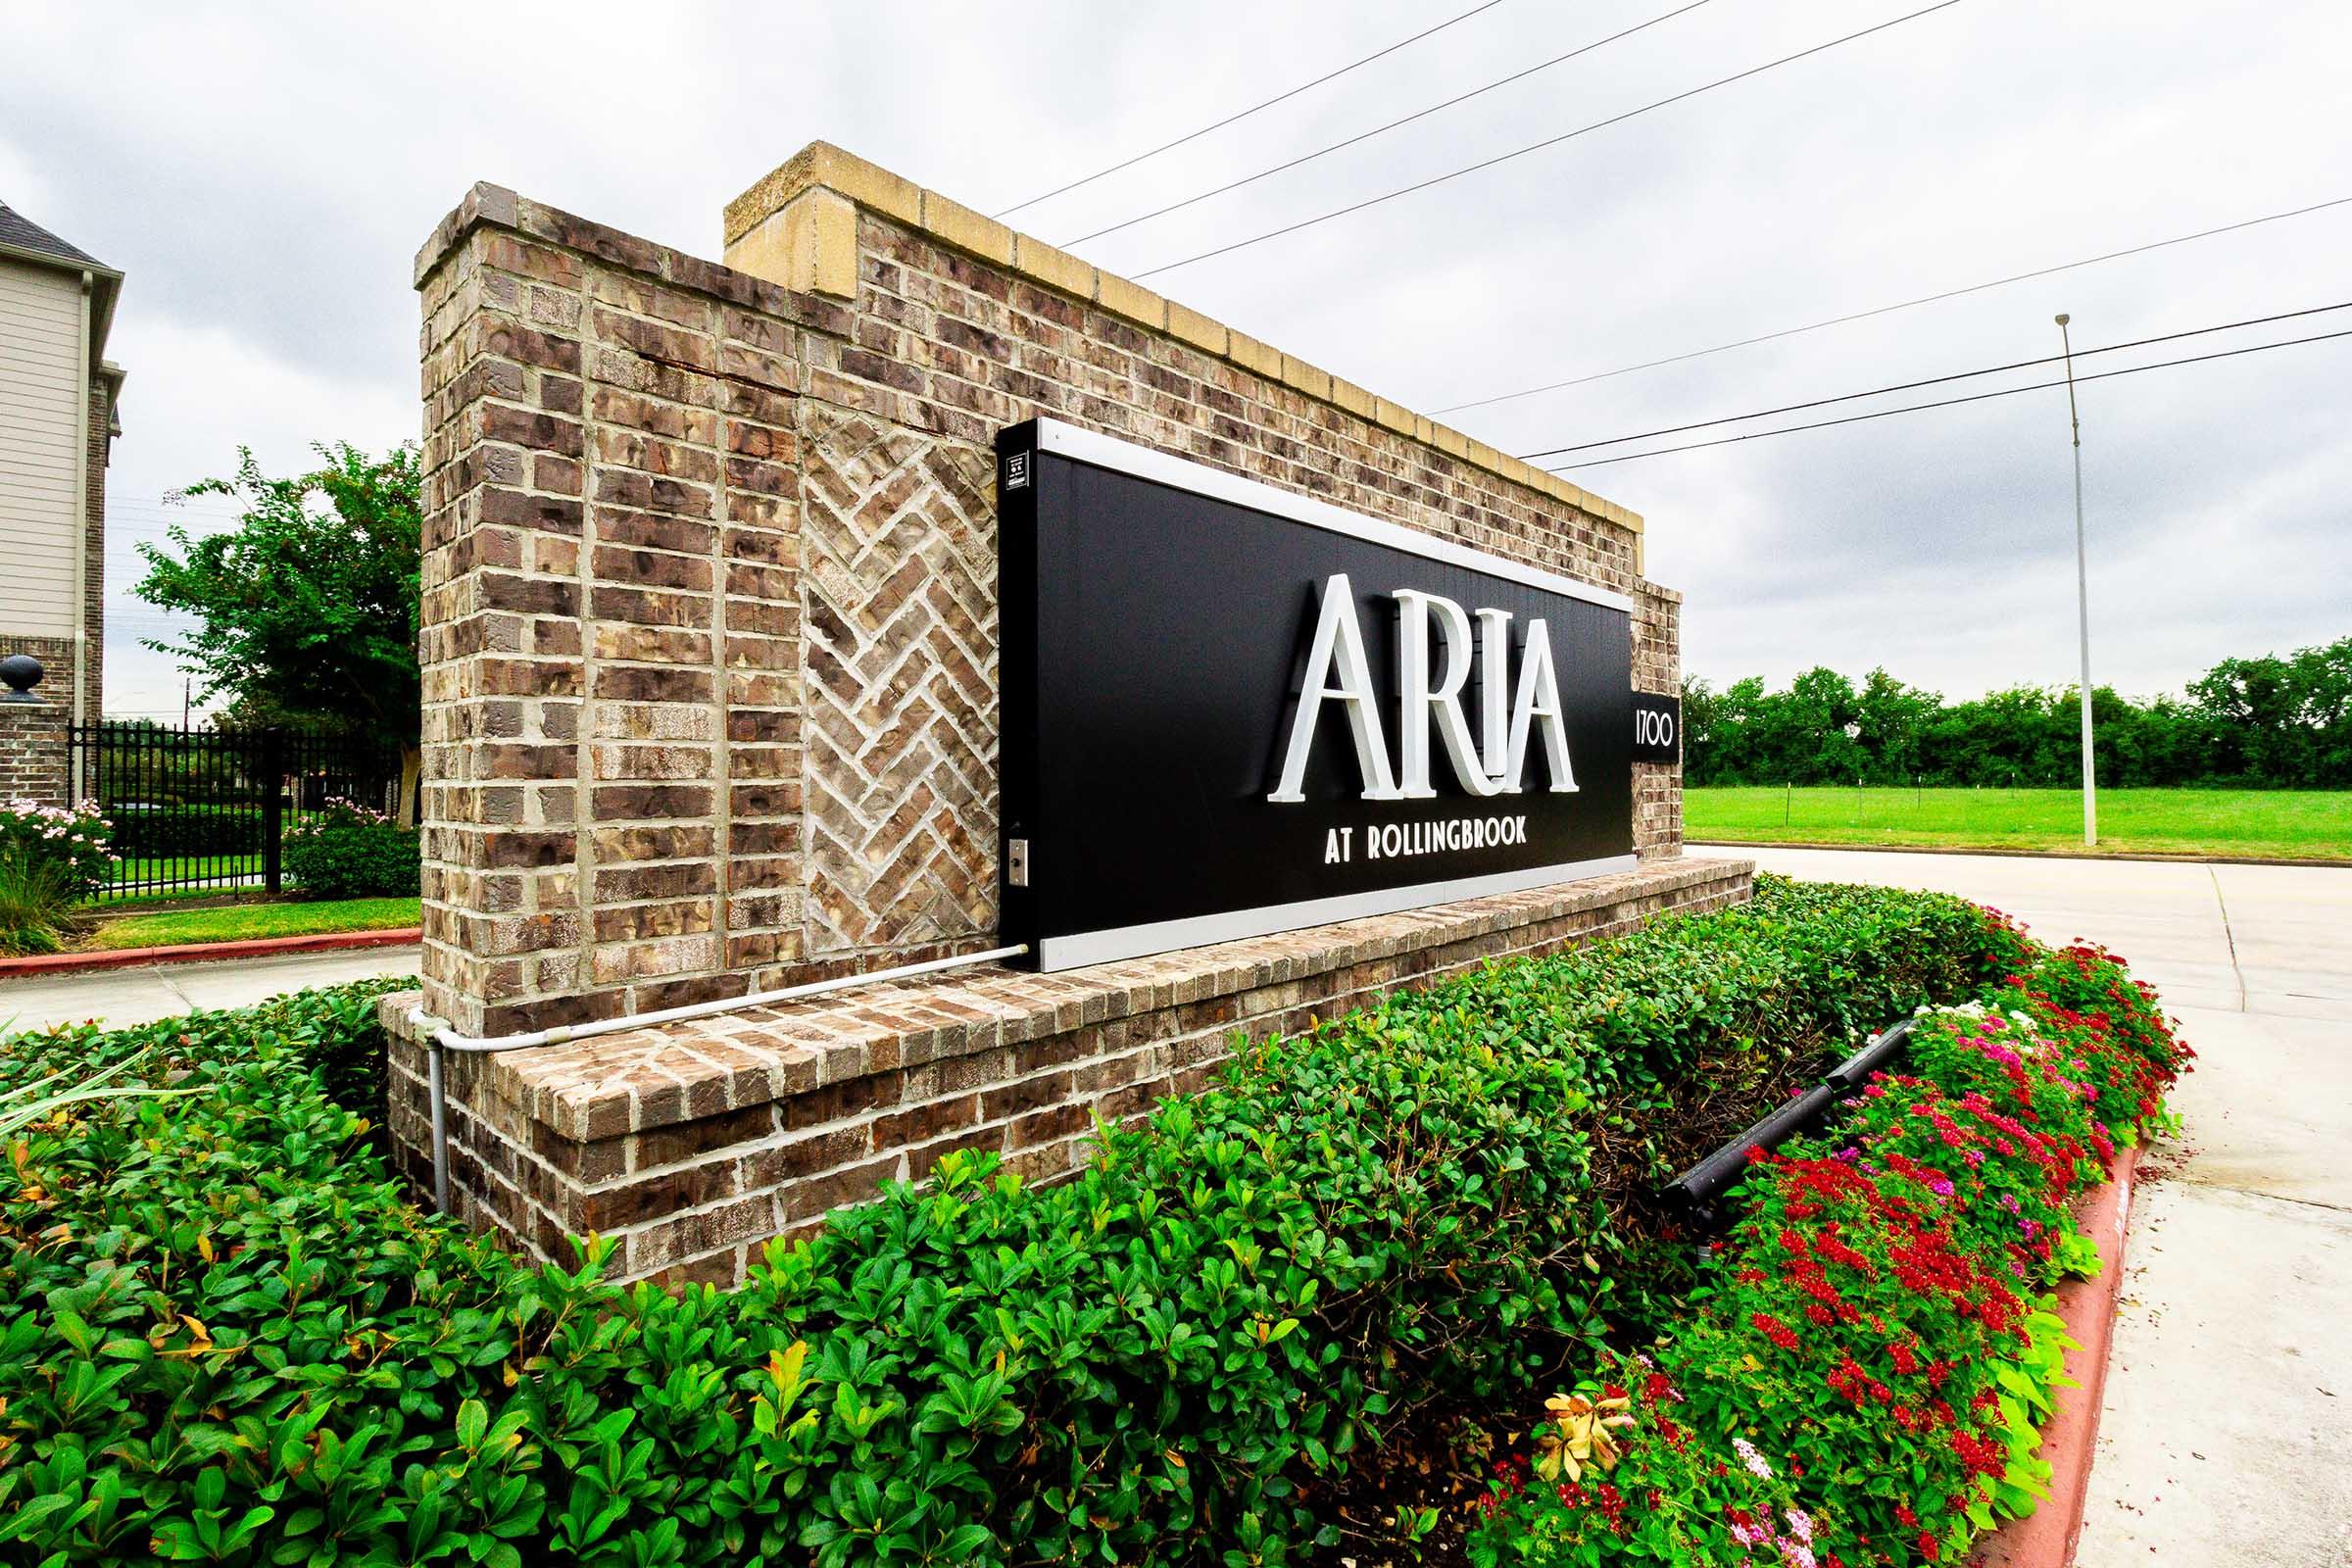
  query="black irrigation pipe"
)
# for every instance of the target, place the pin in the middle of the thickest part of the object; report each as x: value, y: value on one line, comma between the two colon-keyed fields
x: 1697, y: 1192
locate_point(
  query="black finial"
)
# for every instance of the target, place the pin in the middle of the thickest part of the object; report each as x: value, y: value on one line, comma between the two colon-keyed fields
x: 22, y: 672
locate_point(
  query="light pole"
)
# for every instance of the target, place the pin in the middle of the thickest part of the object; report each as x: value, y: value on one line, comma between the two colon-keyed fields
x: 2090, y: 785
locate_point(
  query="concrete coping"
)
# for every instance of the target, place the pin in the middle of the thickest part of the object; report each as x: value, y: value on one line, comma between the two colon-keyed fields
x: 640, y: 1079
x: 770, y: 222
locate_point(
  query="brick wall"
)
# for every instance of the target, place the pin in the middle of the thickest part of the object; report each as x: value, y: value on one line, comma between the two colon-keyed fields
x: 710, y: 598
x: 690, y: 1146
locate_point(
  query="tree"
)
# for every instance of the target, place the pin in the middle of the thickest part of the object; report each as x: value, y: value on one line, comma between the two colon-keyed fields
x: 1894, y: 719
x: 2283, y: 720
x: 308, y: 611
x: 2268, y: 721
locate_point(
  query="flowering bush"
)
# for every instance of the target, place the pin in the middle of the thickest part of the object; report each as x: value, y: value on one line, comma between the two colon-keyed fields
x: 348, y: 850
x: 1652, y: 1495
x: 1862, y: 1379
x: 77, y: 840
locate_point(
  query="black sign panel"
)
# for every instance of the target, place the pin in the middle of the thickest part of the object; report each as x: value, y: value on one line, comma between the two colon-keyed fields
x: 1657, y: 728
x: 1467, y: 725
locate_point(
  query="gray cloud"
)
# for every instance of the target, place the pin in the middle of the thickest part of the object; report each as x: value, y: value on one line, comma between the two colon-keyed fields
x: 265, y: 177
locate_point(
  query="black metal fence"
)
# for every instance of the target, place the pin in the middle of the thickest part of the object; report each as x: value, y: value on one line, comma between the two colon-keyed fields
x: 209, y: 810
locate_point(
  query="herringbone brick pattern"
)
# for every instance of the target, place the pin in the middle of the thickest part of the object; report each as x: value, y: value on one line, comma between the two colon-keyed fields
x: 899, y: 599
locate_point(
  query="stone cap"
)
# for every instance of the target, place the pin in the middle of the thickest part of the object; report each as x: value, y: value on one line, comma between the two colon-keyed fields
x: 759, y: 219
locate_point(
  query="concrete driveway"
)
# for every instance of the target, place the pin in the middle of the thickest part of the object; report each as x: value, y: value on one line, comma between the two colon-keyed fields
x: 2229, y: 1402
x: 141, y: 995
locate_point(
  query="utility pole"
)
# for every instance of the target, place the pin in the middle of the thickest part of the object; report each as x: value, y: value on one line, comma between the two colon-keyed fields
x: 2090, y: 786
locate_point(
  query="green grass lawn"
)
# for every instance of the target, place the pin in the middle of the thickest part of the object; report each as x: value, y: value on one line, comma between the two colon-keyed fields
x: 164, y: 899
x: 247, y: 921
x: 2255, y: 823
x: 225, y: 868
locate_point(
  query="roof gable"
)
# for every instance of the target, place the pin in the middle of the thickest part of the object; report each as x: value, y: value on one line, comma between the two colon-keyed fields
x: 20, y: 233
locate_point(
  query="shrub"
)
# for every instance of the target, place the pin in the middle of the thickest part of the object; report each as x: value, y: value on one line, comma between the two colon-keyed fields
x: 1873, y: 1346
x: 75, y: 839
x: 36, y: 902
x: 227, y: 1334
x: 351, y: 852
x: 164, y: 831
x: 51, y: 858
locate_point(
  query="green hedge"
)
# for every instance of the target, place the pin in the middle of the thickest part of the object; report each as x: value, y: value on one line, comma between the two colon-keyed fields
x: 159, y: 831
x: 223, y: 1334
x: 352, y: 852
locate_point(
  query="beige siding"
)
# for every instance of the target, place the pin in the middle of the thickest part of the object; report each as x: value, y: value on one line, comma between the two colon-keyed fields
x: 40, y: 386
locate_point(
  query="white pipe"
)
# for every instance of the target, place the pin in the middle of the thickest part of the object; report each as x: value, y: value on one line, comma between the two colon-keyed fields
x: 439, y: 1095
x: 445, y: 1039
x: 78, y: 784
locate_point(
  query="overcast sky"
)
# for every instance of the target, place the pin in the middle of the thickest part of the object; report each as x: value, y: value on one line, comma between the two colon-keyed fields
x: 265, y: 176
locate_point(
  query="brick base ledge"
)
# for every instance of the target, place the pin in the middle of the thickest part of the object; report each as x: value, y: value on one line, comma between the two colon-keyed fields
x: 692, y: 1143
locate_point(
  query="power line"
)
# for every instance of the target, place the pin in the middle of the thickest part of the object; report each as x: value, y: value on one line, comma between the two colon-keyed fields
x: 1945, y: 402
x: 1244, y: 114
x: 1377, y: 130
x: 1901, y: 305
x: 1551, y: 141
x: 1935, y: 381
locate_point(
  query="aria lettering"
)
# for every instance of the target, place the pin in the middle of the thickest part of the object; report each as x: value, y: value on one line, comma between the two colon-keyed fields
x: 1495, y: 763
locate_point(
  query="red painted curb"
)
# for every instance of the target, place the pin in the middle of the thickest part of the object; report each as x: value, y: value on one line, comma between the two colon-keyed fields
x: 2047, y: 1536
x: 194, y: 952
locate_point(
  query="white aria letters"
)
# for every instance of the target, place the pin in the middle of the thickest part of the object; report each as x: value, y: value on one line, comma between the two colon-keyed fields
x: 1435, y: 649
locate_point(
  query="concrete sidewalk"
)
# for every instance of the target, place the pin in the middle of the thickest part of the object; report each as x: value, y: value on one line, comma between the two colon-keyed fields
x: 2228, y: 1401
x: 121, y: 998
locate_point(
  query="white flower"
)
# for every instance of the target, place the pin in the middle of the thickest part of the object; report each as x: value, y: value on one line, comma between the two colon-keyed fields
x: 1754, y: 1462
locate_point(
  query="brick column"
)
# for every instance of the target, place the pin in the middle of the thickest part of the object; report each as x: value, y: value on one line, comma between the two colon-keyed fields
x: 611, y: 600
x: 32, y: 736
x: 1658, y: 670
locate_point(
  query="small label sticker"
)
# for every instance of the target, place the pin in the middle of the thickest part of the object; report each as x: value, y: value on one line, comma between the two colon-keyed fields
x: 1016, y: 470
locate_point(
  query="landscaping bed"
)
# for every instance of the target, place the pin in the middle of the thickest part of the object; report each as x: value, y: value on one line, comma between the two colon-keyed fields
x: 251, y: 922
x: 1862, y: 1378
x: 60, y: 870
x: 226, y: 1334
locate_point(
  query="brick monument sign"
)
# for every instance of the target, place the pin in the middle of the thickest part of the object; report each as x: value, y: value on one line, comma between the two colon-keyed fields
x: 712, y: 666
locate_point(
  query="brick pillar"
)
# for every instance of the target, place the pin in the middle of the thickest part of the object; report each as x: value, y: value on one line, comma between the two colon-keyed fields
x: 1658, y: 670
x: 34, y: 761
x: 610, y: 627
x: 32, y: 747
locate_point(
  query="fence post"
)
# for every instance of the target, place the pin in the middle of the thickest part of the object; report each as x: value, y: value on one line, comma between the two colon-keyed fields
x: 272, y: 771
